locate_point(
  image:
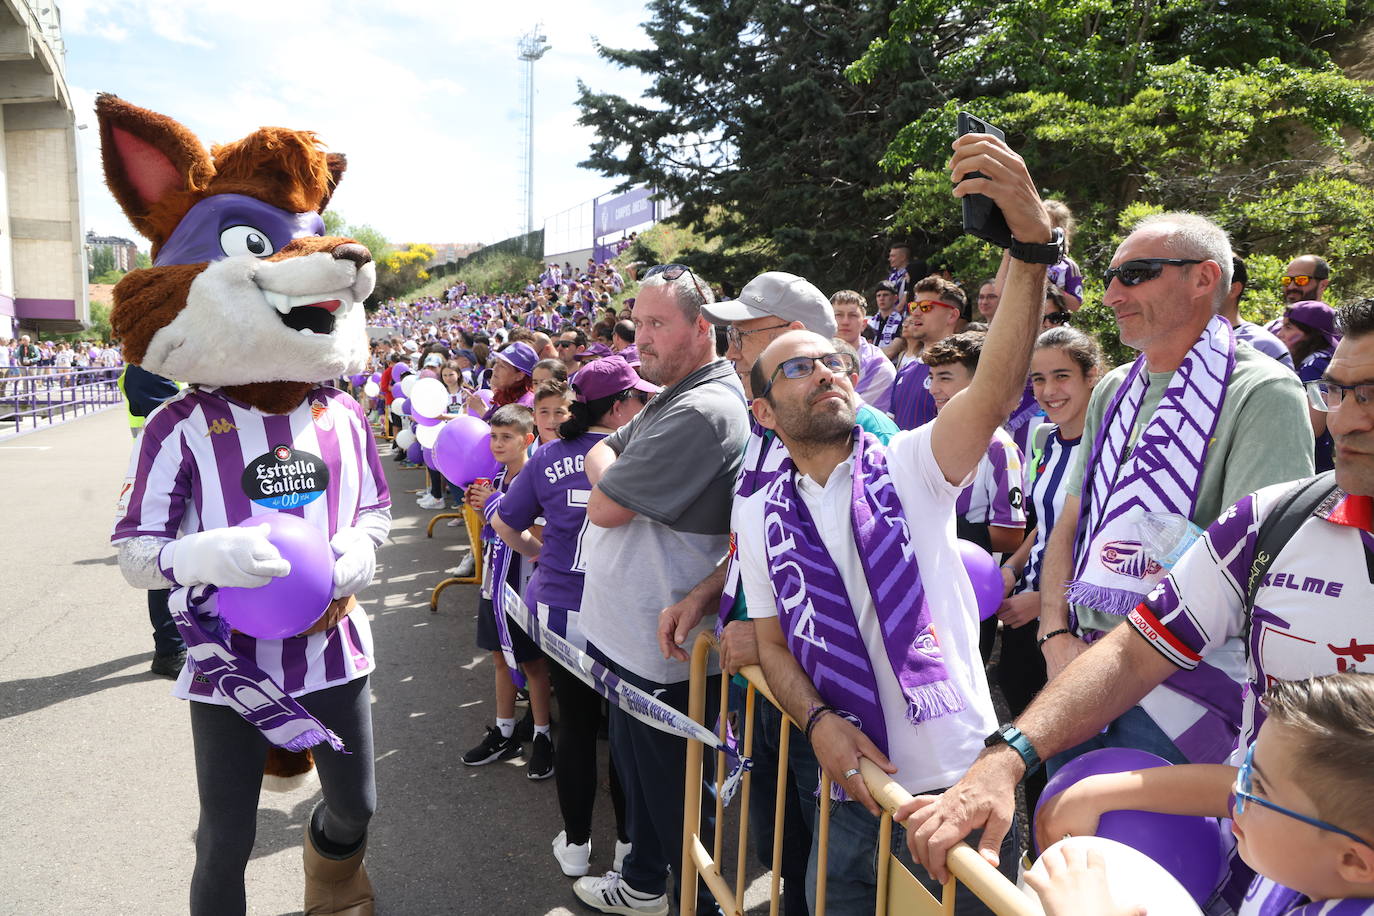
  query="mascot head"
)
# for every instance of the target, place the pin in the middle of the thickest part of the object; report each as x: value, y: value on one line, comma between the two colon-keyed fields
x: 245, y: 291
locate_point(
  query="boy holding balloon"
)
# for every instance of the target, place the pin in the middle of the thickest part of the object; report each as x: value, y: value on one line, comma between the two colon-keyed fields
x: 1301, y: 804
x: 514, y: 654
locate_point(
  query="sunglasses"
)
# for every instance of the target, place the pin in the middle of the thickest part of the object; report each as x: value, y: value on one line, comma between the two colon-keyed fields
x: 560, y: 344
x: 1298, y: 280
x: 671, y: 272
x: 925, y: 305
x: 736, y: 337
x: 1244, y: 793
x: 802, y: 367
x: 1056, y: 318
x: 1136, y: 271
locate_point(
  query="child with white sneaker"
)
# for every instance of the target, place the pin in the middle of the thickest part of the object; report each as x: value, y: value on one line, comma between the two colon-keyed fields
x: 512, y: 432
x: 1302, y: 807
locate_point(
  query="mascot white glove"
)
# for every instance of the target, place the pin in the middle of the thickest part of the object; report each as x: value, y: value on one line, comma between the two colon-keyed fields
x: 355, y: 561
x: 232, y: 557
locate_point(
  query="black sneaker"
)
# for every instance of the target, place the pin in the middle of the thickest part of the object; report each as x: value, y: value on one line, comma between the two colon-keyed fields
x: 168, y: 664
x: 524, y: 729
x: 493, y: 747
x: 540, y: 765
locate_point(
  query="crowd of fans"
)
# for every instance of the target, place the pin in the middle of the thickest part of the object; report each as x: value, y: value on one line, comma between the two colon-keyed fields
x: 793, y: 468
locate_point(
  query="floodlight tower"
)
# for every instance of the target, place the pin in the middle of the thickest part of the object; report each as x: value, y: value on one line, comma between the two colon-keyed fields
x: 533, y: 45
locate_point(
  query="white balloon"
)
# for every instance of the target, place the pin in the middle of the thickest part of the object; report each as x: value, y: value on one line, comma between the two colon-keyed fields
x: 398, y: 407
x: 1134, y: 879
x: 371, y: 388
x: 405, y: 439
x: 428, y: 435
x: 428, y: 398
x: 408, y: 382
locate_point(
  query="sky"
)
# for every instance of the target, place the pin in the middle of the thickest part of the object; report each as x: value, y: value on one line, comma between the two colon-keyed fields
x: 425, y: 97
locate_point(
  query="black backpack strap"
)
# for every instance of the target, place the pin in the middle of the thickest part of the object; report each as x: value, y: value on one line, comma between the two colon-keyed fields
x: 1279, y: 526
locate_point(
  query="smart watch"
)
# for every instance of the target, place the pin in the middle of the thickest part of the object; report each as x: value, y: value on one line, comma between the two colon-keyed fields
x: 1011, y: 735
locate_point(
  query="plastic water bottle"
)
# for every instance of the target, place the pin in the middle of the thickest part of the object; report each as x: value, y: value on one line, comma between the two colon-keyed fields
x: 1164, y: 536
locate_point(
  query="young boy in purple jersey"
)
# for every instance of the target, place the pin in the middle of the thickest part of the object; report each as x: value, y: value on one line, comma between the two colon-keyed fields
x: 554, y: 486
x: 512, y: 433
x: 552, y: 399
x: 1299, y: 805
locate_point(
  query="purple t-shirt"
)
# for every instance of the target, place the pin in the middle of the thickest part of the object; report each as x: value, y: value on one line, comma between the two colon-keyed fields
x: 912, y: 405
x: 554, y: 485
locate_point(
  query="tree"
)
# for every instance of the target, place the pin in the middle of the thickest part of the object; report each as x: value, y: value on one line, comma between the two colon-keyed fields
x: 751, y: 124
x: 101, y: 262
x: 399, y: 272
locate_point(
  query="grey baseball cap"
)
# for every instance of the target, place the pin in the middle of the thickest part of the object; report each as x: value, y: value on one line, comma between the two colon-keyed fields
x: 776, y: 294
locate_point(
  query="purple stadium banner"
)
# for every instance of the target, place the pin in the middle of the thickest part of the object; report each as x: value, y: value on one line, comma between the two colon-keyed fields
x: 616, y: 214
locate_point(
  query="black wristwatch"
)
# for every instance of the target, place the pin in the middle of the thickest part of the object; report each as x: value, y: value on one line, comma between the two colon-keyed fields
x: 1011, y: 735
x: 1043, y: 253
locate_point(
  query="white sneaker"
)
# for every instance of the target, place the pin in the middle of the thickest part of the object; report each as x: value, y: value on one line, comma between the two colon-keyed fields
x: 610, y: 894
x: 429, y: 502
x: 574, y: 860
x: 466, y: 568
x: 621, y: 851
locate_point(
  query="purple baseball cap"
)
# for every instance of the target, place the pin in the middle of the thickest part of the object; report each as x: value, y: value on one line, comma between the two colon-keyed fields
x: 606, y: 377
x: 1318, y: 316
x: 631, y: 355
x: 598, y: 350
x: 520, y: 355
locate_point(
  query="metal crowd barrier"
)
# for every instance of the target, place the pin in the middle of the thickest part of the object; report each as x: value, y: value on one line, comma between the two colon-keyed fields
x: 43, y: 396
x: 899, y: 893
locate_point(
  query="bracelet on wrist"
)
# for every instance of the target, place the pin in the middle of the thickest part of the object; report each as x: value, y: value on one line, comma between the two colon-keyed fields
x: 813, y: 717
x: 1062, y: 631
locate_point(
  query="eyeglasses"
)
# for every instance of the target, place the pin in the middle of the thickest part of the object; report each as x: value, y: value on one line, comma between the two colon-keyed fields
x: 803, y: 366
x: 925, y: 305
x: 1244, y: 792
x: 1329, y: 396
x: 736, y: 336
x: 1298, y: 280
x: 1056, y: 318
x: 671, y: 272
x: 1137, y: 270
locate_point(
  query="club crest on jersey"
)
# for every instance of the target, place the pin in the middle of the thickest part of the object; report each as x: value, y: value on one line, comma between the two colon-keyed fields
x: 320, y: 414
x: 285, y: 478
x: 1127, y: 558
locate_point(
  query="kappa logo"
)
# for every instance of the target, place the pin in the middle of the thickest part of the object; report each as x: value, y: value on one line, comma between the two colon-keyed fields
x: 220, y: 425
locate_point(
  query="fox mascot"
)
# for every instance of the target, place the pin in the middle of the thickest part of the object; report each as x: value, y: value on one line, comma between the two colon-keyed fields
x: 250, y: 304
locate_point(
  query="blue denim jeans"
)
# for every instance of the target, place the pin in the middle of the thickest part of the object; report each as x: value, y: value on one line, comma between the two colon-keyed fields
x: 852, y: 865
x: 1135, y: 729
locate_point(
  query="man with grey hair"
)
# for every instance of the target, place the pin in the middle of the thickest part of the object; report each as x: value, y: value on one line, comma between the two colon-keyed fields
x: 1193, y: 424
x: 659, y: 514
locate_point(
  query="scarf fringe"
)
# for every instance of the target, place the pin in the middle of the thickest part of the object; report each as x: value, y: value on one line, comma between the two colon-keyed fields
x: 930, y: 701
x: 313, y: 736
x: 1117, y: 601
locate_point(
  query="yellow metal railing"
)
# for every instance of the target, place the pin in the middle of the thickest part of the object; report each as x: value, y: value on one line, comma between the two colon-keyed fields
x: 899, y: 893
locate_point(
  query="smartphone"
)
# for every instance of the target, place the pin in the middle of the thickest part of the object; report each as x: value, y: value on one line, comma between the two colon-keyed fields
x: 982, y: 217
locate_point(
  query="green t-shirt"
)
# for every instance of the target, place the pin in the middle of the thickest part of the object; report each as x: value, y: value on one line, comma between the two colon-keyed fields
x: 1263, y: 437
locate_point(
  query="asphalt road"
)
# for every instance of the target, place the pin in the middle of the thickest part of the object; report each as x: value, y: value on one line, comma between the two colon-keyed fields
x: 97, y: 800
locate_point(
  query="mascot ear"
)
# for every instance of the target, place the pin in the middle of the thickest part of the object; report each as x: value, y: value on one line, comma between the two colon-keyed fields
x: 148, y: 159
x: 336, y: 163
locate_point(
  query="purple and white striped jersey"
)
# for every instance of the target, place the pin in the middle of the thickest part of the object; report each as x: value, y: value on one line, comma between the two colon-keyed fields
x: 995, y: 496
x: 208, y: 461
x: 554, y: 485
x: 1052, y: 469
x: 876, y: 375
x: 1311, y: 614
x: 912, y: 405
x: 885, y: 330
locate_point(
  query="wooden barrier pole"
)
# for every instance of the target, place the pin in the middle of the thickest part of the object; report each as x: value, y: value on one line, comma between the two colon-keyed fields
x: 691, y: 806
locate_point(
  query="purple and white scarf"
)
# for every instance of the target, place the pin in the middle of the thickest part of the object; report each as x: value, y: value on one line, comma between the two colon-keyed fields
x: 499, y: 557
x: 248, y: 690
x: 764, y: 458
x: 1162, y: 473
x: 815, y: 612
x: 1267, y: 898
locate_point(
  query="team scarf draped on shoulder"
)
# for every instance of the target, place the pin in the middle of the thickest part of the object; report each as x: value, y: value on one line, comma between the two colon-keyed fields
x: 499, y: 559
x: 1267, y: 898
x: 1162, y: 473
x: 764, y: 455
x: 813, y: 605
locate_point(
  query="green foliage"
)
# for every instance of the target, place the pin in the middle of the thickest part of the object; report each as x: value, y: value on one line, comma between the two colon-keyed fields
x: 400, y: 272
x: 503, y: 272
x: 97, y: 329
x: 110, y: 276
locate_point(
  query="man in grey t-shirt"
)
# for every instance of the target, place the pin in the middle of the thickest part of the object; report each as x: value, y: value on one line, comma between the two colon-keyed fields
x: 660, y: 522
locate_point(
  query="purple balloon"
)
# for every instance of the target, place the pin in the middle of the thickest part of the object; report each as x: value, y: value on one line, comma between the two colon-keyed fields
x: 289, y: 604
x: 428, y: 455
x: 377, y: 377
x: 398, y: 371
x: 1189, y: 848
x: 358, y: 380
x: 985, y: 575
x: 463, y: 451
x: 413, y: 454
x: 422, y: 421
x: 486, y: 397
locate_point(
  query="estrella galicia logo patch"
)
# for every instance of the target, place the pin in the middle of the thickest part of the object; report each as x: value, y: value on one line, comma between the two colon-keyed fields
x: 285, y: 478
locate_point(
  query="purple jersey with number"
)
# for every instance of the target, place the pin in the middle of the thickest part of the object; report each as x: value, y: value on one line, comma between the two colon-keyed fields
x: 912, y: 405
x: 554, y: 485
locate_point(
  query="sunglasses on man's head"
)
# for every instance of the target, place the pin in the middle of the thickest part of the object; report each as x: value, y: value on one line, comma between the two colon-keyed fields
x: 1137, y: 270
x: 671, y: 272
x: 1298, y: 280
